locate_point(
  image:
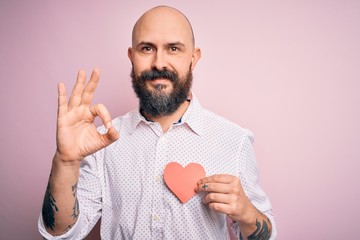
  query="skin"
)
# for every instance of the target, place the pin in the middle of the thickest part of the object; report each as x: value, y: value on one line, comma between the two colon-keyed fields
x: 162, y: 38
x: 226, y: 195
x: 76, y: 138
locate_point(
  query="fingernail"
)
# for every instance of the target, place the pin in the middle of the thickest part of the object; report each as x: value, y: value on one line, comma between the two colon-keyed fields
x: 108, y: 125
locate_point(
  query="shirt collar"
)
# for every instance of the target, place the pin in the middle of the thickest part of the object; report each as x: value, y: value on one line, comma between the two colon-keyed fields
x: 191, y: 117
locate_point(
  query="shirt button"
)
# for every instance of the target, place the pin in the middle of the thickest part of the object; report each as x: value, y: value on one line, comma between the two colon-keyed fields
x: 157, y: 178
x: 156, y: 217
x: 162, y: 140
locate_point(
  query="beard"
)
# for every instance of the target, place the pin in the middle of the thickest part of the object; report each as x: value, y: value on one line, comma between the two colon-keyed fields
x: 158, y: 102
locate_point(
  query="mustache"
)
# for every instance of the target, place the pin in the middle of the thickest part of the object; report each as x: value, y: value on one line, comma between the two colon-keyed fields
x: 156, y: 74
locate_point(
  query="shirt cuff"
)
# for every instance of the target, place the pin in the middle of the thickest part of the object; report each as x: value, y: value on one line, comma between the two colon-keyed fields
x: 269, y: 215
x: 271, y: 218
x: 75, y: 230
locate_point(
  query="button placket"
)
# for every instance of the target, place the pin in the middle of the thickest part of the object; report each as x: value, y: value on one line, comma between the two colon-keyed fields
x: 158, y: 201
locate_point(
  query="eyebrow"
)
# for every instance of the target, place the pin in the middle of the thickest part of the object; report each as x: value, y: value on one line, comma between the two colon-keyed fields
x: 176, y: 44
x: 142, y: 43
x: 145, y: 43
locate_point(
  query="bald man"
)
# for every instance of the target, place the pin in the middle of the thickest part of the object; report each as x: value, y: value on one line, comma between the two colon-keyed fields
x: 116, y: 171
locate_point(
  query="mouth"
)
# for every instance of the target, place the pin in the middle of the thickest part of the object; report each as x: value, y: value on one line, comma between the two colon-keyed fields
x: 160, y: 81
x: 159, y: 84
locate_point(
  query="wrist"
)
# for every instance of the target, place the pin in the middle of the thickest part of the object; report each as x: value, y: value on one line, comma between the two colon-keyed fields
x: 255, y: 225
x: 66, y: 161
x: 65, y: 167
x: 249, y: 217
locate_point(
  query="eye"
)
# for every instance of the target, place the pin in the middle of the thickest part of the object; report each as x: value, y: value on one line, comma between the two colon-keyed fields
x: 174, y: 49
x: 147, y: 49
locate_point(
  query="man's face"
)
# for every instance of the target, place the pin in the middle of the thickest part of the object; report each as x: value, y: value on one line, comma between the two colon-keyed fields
x: 162, y: 49
x: 157, y: 102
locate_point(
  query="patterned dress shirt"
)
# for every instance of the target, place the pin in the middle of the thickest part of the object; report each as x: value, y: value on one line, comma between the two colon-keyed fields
x: 123, y: 183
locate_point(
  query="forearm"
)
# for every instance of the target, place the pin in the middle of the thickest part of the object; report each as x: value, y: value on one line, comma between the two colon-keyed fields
x: 257, y: 228
x: 60, y: 209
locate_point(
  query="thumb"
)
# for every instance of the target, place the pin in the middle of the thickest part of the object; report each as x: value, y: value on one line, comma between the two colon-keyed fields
x: 110, y: 136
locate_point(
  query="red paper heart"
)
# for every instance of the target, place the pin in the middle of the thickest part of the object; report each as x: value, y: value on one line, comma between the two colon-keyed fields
x: 182, y: 181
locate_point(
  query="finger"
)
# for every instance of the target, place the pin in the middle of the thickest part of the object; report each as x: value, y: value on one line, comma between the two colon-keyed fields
x: 111, y: 136
x: 221, y: 208
x: 217, y: 198
x: 89, y: 90
x: 78, y: 89
x: 99, y: 110
x: 221, y: 178
x: 62, y: 100
x: 215, y: 187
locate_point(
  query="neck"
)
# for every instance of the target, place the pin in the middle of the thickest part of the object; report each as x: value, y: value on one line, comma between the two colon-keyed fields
x: 167, y: 121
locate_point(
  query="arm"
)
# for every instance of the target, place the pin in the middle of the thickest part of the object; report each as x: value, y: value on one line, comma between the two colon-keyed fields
x: 76, y: 138
x: 240, y: 197
x: 226, y: 195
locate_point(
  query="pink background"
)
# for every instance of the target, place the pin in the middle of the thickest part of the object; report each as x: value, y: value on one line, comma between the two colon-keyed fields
x: 288, y: 70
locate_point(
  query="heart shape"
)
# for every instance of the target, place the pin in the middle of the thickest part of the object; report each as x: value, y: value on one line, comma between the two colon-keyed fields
x: 182, y: 181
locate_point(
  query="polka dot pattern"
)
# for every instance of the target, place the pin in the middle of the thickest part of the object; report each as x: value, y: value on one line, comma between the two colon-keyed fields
x: 123, y: 183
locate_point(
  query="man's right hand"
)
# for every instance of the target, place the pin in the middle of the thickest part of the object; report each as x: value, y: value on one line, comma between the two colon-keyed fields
x: 77, y: 136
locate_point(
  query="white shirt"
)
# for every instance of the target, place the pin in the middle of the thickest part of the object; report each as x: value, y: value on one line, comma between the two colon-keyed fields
x: 123, y: 183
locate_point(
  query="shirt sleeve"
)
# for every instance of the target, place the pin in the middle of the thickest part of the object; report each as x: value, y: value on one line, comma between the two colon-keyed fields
x: 249, y: 177
x: 71, y: 234
x: 90, y: 202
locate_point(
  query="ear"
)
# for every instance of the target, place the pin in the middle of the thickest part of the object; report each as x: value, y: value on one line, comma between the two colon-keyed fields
x: 195, y: 58
x: 130, y: 53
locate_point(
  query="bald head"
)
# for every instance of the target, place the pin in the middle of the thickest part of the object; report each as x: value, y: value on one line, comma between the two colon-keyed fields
x: 160, y: 22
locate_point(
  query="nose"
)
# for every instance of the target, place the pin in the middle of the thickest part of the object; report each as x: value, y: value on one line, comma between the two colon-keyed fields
x: 160, y: 61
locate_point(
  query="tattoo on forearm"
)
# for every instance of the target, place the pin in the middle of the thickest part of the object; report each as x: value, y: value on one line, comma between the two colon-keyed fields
x: 49, y: 208
x: 69, y: 227
x: 76, y: 209
x: 262, y: 232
